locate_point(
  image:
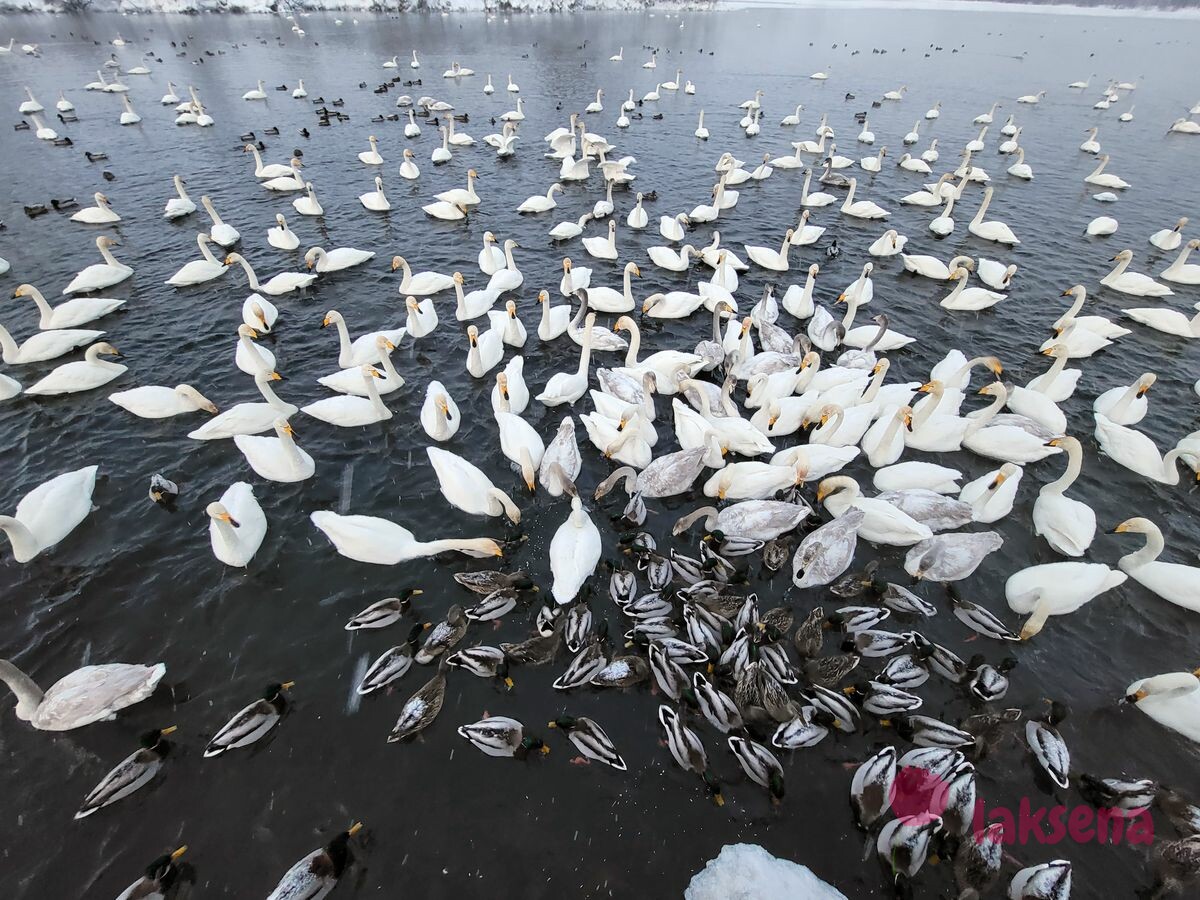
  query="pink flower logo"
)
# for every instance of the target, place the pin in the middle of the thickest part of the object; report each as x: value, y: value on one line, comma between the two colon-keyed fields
x: 918, y: 792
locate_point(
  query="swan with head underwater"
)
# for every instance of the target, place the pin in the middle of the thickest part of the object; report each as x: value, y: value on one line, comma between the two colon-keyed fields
x: 379, y: 541
x: 575, y: 551
x: 466, y: 487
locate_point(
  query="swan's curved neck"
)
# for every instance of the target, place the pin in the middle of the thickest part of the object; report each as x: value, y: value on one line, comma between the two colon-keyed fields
x: 708, y: 513
x: 875, y: 385
x: 29, y: 695
x: 1074, y: 467
x: 43, y: 307
x: 1148, y: 554
x: 1121, y: 267
x: 226, y: 534
x: 990, y: 411
x: 344, y: 348
x: 925, y: 413
x: 851, y: 312
x: 850, y: 195
x: 1056, y: 369
x: 1181, y: 259
x: 272, y: 398
x: 825, y: 433
x: 250, y: 276
x: 373, y: 395
x: 585, y: 354
x: 109, y: 259
x: 291, y: 451
x: 635, y: 344
x: 987, y: 199
x: 205, y: 252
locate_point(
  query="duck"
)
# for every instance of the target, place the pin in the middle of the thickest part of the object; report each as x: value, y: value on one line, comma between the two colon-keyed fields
x: 102, y: 275
x: 198, y: 271
x: 158, y: 402
x: 69, y: 313
x: 1056, y: 589
x: 251, y: 723
x: 158, y: 878
x: 237, y: 525
x: 277, y: 285
x: 371, y: 539
x: 501, y: 736
x: 89, y: 694
x: 423, y: 284
x: 348, y: 411
x: 88, y: 374
x: 248, y: 418
x: 1174, y: 582
x: 318, y: 873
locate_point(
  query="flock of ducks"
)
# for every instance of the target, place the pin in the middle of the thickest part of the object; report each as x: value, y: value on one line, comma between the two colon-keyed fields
x: 751, y: 672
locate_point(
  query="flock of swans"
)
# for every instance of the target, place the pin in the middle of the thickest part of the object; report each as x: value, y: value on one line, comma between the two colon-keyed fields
x: 761, y: 418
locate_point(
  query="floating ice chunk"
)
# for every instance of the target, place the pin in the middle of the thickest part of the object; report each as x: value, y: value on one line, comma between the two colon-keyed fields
x: 748, y: 872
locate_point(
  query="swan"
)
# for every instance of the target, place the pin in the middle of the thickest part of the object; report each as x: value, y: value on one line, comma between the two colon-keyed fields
x: 882, y: 522
x: 909, y: 164
x: 281, y: 237
x: 701, y: 132
x: 337, y: 259
x: 422, y: 317
x: 237, y: 525
x: 128, y: 115
x: 43, y: 131
x: 541, y: 203
x: 1134, y: 283
x: 575, y: 551
x: 423, y: 284
x: 371, y: 157
x: 69, y: 313
x: 274, y: 170
x: 181, y: 205
x: 931, y: 155
x: 375, y: 200
x: 1101, y: 226
x: 308, y: 205
x: 511, y: 387
x: 1135, y: 451
x: 1169, y: 238
x: 819, y: 199
x: 671, y: 305
x: 299, y: 92
x: 508, y: 278
x: 667, y: 258
x: 277, y: 285
x: 49, y: 512
x: 883, y: 442
x: 100, y: 214
x: 102, y: 275
x: 866, y: 136
x: 1098, y: 325
x: 89, y: 694
x: 914, y: 135
x: 466, y: 487
x: 917, y: 475
x: 485, y: 351
x: 1167, y: 320
x: 348, y: 411
x: 1172, y: 700
x: 799, y: 301
x: 1099, y: 178
x: 408, y: 168
x: 220, y: 233
x: 773, y: 260
x: 664, y: 364
x: 1090, y: 144
x: 462, y: 196
x: 1180, y: 271
x: 554, y: 320
x: 439, y: 413
x: 31, y: 105
x: 976, y: 145
x: 291, y: 182
x: 1184, y: 126
x: 414, y: 63
x: 991, y: 495
x: 1126, y: 405
x: 1032, y: 98
x: 867, y: 335
x: 365, y: 349
x: 519, y: 442
x: 941, y: 433
x: 564, y: 231
x: 201, y: 270
x: 1067, y: 525
x: 349, y: 380
x: 603, y: 247
x: 256, y: 93
x: 491, y: 258
x: 804, y: 234
x: 995, y: 275
x: 472, y: 305
x: 943, y: 225
x: 671, y: 227
x: 412, y: 129
x: 1057, y: 589
x: 247, y: 418
x: 966, y: 298
x: 609, y: 300
x: 1006, y: 442
x: 567, y: 387
x: 85, y: 375
x: 157, y: 402
x: 276, y: 458
x: 889, y: 243
x: 1021, y: 169
x: 751, y: 481
x: 993, y: 230
x: 932, y: 267
x: 862, y: 209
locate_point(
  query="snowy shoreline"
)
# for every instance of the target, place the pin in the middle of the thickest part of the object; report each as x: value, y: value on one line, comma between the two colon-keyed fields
x: 371, y: 7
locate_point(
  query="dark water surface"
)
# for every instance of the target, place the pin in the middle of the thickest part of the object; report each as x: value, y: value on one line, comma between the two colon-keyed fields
x: 135, y: 583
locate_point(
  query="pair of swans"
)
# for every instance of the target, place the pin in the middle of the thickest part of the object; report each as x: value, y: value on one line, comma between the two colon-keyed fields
x: 69, y: 313
x: 350, y: 411
x: 363, y: 350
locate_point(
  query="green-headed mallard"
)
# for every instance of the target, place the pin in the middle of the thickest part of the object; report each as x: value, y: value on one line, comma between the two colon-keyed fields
x: 131, y: 773
x: 157, y: 879
x: 251, y: 723
x: 501, y: 736
x: 482, y: 661
x: 317, y: 874
x: 590, y: 739
x: 391, y: 664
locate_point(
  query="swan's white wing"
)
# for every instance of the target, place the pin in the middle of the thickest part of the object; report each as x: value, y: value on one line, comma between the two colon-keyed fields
x: 95, y: 693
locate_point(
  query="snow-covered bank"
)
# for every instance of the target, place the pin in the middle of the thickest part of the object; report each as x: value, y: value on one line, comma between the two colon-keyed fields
x: 749, y: 872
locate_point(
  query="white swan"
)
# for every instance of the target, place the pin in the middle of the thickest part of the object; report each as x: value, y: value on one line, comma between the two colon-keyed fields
x: 1057, y: 589
x: 69, y: 313
x: 609, y: 300
x: 247, y: 418
x: 1101, y: 179
x: 965, y: 298
x: 237, y: 525
x: 422, y: 317
x: 1175, y: 583
x: 179, y: 206
x: 1135, y: 451
x: 603, y: 247
x: 575, y: 551
x: 1126, y: 405
x: 1169, y: 321
x: 158, y: 402
x: 348, y: 411
x: 567, y: 387
x: 1169, y: 238
x: 308, y: 205
x: 221, y: 232
x: 1068, y: 525
x: 466, y: 487
x: 87, y: 374
x: 364, y: 350
x: 993, y: 230
x: 277, y: 285
x: 484, y: 350
x: 541, y: 202
x: 293, y: 181
x: 862, y: 209
x: 943, y: 224
x: 281, y: 237
x: 439, y: 413
x: 349, y: 380
x: 49, y: 512
x: 198, y: 271
x: 89, y: 694
x: 259, y: 313
x: 376, y: 200
x: 882, y: 522
x: 276, y: 458
x: 101, y: 275
x: 1134, y: 283
x: 422, y: 284
x: 336, y: 259
x: 1180, y: 271
x: 1172, y: 700
x: 100, y: 214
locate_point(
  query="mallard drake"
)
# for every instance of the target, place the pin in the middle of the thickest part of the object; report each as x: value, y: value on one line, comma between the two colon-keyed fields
x: 1047, y: 744
x: 496, y: 604
x: 487, y: 582
x: 872, y: 786
x: 1049, y: 881
x: 391, y: 664
x: 979, y: 619
x: 759, y: 764
x: 1129, y: 797
x: 251, y: 723
x: 422, y: 707
x: 443, y: 636
x: 502, y: 736
x: 483, y: 662
x: 989, y: 682
x: 130, y: 774
x: 578, y: 628
x: 384, y: 612
x: 590, y: 739
x: 668, y: 674
x: 808, y: 729
x: 883, y: 700
x: 317, y: 874
x: 715, y: 705
x: 977, y: 865
x: 688, y: 750
x: 589, y: 662
x: 903, y: 843
x: 157, y: 879
x: 925, y: 731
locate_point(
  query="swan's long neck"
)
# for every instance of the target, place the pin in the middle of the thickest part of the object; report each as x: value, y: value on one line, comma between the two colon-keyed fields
x: 825, y: 433
x: 202, y: 241
x: 252, y: 278
x: 1121, y: 267
x: 1056, y: 369
x: 1099, y: 168
x: 875, y: 385
x: 461, y: 309
x: 585, y: 354
x: 385, y: 360
x: 850, y: 194
x: 180, y: 188
x: 1074, y: 467
x: 291, y: 451
x: 1075, y: 307
x: 1182, y: 258
x: 708, y: 513
x: 43, y: 307
x: 635, y: 344
x: 1148, y: 554
x: 990, y: 411
x: 925, y: 413
x: 851, y: 312
x: 889, y: 433
x: 508, y: 257
x: 272, y: 398
x: 628, y: 288
x: 373, y: 395
x: 1122, y: 405
x: 442, y: 423
x: 109, y: 259
x: 29, y: 695
x: 783, y: 250
x: 344, y: 348
x: 960, y: 284
x: 227, y: 535
x: 987, y: 199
